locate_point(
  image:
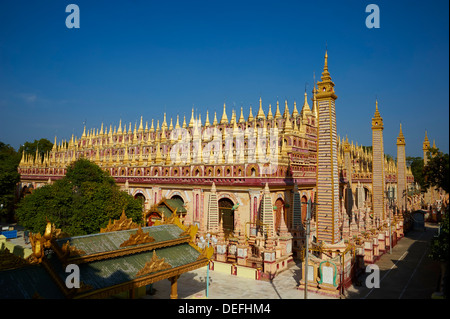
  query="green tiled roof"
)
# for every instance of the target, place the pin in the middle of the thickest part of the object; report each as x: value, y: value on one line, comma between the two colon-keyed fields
x: 103, y: 270
x: 103, y: 242
x: 176, y: 203
x: 23, y: 283
x: 109, y: 272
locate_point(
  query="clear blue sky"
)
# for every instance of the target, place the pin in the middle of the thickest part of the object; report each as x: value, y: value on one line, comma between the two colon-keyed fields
x: 133, y: 58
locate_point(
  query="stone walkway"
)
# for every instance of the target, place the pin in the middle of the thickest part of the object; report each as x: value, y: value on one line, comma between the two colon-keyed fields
x: 192, y: 285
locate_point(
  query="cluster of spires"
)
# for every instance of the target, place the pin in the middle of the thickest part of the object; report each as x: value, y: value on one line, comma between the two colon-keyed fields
x: 140, y: 136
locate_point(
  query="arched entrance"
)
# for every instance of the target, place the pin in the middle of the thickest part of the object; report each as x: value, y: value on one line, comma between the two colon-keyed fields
x: 304, y: 209
x: 178, y: 198
x: 226, y: 215
x: 141, y: 198
x: 279, y: 204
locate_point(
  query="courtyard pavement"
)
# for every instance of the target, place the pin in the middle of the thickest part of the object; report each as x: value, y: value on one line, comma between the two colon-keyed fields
x: 192, y: 285
x: 407, y: 273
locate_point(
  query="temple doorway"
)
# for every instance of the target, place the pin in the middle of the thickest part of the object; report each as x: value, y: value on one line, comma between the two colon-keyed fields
x: 178, y: 198
x: 141, y: 198
x: 279, y: 204
x: 226, y: 214
x: 304, y: 209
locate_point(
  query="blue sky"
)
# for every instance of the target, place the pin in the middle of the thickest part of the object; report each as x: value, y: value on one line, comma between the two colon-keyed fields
x: 143, y: 58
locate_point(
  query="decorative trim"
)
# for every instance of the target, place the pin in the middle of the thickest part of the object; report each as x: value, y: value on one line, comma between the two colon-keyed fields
x: 10, y: 261
x: 154, y: 265
x: 123, y: 223
x: 138, y: 238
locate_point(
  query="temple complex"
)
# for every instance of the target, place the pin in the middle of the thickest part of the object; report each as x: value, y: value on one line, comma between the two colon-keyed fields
x: 247, y: 181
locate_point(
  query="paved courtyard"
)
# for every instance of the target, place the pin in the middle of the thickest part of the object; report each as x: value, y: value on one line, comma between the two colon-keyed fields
x: 192, y: 285
x: 406, y: 273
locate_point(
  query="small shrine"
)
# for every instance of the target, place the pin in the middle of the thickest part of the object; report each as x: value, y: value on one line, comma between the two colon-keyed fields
x: 122, y: 259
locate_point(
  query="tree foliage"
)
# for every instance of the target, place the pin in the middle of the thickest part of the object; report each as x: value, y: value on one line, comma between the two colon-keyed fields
x: 436, y: 172
x: 416, y: 164
x: 440, y: 244
x: 42, y: 146
x: 80, y: 203
x: 9, y: 177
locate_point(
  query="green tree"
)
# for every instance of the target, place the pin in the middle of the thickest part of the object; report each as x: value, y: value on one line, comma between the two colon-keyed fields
x: 80, y: 203
x: 436, y: 172
x: 440, y: 244
x: 42, y: 146
x: 416, y: 164
x: 9, y: 177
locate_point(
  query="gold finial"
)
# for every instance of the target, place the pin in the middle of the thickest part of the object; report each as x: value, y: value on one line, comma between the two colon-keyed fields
x: 215, y: 119
x: 141, y: 128
x: 191, y: 122
x: 400, y: 138
x: 233, y: 117
x: 207, y: 119
x: 426, y: 138
x: 177, y: 126
x: 277, y: 112
x: 286, y: 109
x: 269, y: 114
x: 260, y: 114
x: 241, y: 118
x: 250, y: 115
x: 224, y: 119
x: 325, y: 74
x: 119, y: 130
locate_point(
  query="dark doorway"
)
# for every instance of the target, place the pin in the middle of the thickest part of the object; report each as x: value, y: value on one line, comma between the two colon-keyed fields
x: 226, y: 214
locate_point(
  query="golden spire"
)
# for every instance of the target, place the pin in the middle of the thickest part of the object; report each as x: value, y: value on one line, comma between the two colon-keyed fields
x: 119, y: 131
x: 306, y: 109
x: 184, y: 122
x: 233, y: 117
x: 286, y: 109
x: 277, y: 112
x: 269, y: 114
x: 400, y: 138
x: 326, y: 86
x: 84, y: 132
x: 177, y: 126
x: 224, y: 119
x: 425, y: 145
x: 241, y: 118
x: 295, y: 111
x: 141, y: 128
x: 250, y: 115
x: 325, y: 74
x: 191, y: 122
x: 152, y: 128
x: 314, y: 91
x: 171, y: 125
x: 377, y: 120
x: 260, y: 114
x: 215, y: 119
x: 164, y: 123
x: 207, y: 119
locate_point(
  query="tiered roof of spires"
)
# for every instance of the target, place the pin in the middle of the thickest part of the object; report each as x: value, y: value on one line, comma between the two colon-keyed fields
x: 94, y: 139
x: 361, y: 158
